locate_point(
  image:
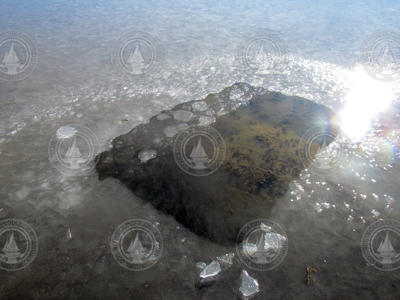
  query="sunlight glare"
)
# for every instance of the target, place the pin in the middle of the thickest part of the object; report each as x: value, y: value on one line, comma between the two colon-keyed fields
x: 364, y: 101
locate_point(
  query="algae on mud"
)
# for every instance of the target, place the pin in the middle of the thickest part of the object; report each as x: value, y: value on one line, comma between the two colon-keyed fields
x: 262, y: 131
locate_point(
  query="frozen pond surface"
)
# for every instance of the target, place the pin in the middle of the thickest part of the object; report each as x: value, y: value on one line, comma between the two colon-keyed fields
x: 76, y: 82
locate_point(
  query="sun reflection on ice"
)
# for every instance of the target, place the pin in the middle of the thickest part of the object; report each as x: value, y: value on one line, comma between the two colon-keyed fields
x: 366, y: 98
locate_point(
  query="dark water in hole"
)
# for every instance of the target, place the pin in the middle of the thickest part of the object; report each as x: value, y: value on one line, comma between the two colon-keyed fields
x: 75, y: 81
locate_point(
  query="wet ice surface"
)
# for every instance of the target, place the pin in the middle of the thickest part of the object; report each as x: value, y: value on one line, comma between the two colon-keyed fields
x: 324, y: 215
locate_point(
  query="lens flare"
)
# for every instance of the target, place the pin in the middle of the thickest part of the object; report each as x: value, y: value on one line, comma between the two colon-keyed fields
x: 364, y: 101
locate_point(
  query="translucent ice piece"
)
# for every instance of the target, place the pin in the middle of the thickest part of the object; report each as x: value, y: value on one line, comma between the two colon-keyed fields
x: 249, y: 285
x: 211, y: 270
x: 146, y: 155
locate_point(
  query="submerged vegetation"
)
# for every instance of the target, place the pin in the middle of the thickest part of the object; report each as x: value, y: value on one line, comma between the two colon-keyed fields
x: 261, y: 131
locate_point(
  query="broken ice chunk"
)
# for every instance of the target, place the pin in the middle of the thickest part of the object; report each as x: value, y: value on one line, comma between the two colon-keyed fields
x: 182, y: 126
x: 146, y: 155
x: 65, y: 132
x: 249, y: 285
x: 182, y: 115
x: 171, y: 131
x: 162, y: 117
x: 226, y: 258
x: 211, y: 270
